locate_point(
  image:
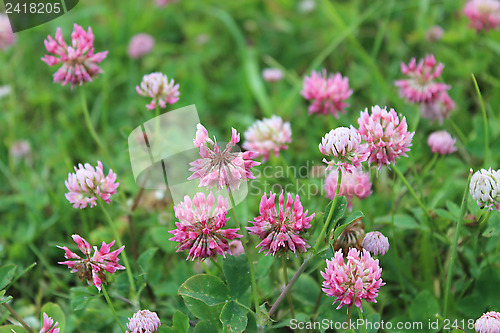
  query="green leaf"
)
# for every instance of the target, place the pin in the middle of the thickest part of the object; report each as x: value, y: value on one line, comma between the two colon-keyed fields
x: 237, y: 274
x: 206, y: 288
x: 453, y: 208
x: 163, y: 329
x: 345, y: 222
x: 338, y: 212
x: 6, y: 274
x: 144, y: 260
x: 305, y: 290
x: 204, y: 312
x: 79, y: 297
x: 206, y: 326
x: 12, y: 328
x: 353, y: 217
x: 423, y: 307
x: 329, y: 254
x: 5, y: 300
x: 493, y: 228
x: 264, y: 266
x: 55, y: 312
x: 180, y: 322
x: 401, y: 221
x: 443, y: 213
x: 233, y: 317
x: 337, y: 232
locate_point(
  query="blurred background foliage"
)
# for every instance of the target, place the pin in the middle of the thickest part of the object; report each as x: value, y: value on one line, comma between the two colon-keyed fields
x: 216, y: 50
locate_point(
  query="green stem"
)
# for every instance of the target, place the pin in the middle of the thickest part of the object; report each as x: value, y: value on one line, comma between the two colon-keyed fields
x: 349, y: 314
x: 133, y: 291
x: 289, y: 295
x: 330, y: 214
x: 216, y: 264
x: 430, y: 164
x: 458, y: 131
x: 485, y: 120
x: 90, y: 126
x: 454, y: 248
x: 157, y: 142
x: 18, y: 317
x: 412, y: 192
x: 250, y: 262
x: 361, y: 317
x: 108, y: 300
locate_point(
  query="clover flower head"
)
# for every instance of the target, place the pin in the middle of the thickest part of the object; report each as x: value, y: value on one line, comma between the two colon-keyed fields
x: 20, y: 149
x: 387, y: 136
x: 376, y: 243
x: 92, y: 268
x: 163, y: 3
x: 219, y: 168
x: 157, y: 86
x: 485, y: 188
x: 144, y: 321
x: 344, y: 145
x: 439, y: 109
x: 7, y: 37
x: 421, y: 85
x: 351, y: 237
x: 48, y: 325
x: 199, y: 229
x: 140, y: 45
x: 442, y: 142
x: 434, y: 33
x: 352, y: 184
x: 483, y: 14
x: 489, y: 322
x: 89, y: 183
x: 279, y: 227
x: 350, y: 282
x: 79, y: 62
x: 327, y: 93
x: 272, y: 74
x: 268, y: 135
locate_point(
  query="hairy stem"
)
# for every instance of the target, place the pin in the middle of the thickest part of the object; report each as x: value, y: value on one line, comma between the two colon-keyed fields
x: 285, y: 291
x: 18, y: 317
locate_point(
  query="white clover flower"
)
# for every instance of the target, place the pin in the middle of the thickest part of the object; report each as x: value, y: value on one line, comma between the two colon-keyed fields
x: 485, y: 188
